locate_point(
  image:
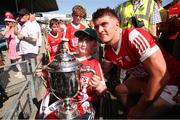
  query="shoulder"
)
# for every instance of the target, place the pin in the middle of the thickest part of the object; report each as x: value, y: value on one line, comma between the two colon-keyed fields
x: 122, y: 4
x: 95, y: 60
x: 138, y: 32
x: 82, y: 26
x: 68, y: 24
x: 140, y: 38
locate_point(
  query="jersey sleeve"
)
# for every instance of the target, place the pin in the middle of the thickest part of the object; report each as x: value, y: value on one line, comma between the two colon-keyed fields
x: 142, y: 43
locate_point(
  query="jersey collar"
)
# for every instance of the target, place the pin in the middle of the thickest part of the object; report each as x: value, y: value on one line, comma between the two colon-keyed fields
x: 83, y: 58
x: 53, y: 35
x: 75, y: 26
x: 119, y: 43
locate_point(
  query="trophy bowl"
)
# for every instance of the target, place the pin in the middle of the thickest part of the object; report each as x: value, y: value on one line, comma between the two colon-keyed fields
x: 64, y: 83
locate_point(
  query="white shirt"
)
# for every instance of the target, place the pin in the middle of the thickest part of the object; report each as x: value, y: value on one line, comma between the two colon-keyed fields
x: 37, y: 28
x: 27, y: 30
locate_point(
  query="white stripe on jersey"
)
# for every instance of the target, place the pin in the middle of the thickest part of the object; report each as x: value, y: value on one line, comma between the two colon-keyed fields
x: 148, y: 52
x: 105, y: 60
x: 139, y: 41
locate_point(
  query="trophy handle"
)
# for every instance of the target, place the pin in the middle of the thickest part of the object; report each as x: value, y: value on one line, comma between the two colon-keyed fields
x: 88, y: 69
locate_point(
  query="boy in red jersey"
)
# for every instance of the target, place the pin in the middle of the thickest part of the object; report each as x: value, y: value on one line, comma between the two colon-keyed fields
x: 54, y: 38
x: 92, y: 83
x: 78, y: 13
x: 155, y: 75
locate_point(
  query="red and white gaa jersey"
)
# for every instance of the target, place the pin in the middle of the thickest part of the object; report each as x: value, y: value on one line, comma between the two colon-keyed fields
x: 88, y: 93
x: 54, y: 42
x: 135, y: 47
x: 73, y: 40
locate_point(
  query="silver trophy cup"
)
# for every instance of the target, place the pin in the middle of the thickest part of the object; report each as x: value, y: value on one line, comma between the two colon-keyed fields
x: 64, y: 73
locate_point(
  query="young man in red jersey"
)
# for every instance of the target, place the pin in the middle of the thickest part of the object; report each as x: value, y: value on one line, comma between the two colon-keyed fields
x: 155, y: 75
x: 78, y: 13
x: 54, y: 38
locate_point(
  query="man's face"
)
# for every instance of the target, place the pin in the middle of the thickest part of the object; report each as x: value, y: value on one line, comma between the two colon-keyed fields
x: 24, y: 18
x: 105, y: 28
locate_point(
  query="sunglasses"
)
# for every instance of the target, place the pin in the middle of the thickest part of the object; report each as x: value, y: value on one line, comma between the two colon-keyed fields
x: 78, y: 16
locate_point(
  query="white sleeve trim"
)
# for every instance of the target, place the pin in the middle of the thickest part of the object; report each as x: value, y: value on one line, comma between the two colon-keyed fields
x: 105, y: 60
x: 148, y: 53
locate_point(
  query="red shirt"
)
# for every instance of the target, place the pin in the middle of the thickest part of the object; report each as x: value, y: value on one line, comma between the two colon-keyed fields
x: 88, y: 93
x: 135, y: 47
x: 54, y: 42
x: 73, y: 41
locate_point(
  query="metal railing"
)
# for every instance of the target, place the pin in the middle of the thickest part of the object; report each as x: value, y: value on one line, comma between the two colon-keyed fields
x: 25, y: 105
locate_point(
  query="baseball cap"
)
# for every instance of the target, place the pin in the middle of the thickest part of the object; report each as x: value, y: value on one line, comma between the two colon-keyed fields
x: 9, y: 18
x: 88, y: 31
x: 23, y: 12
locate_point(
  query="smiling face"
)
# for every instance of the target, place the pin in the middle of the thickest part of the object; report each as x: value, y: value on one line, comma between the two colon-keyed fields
x: 86, y: 45
x: 106, y: 28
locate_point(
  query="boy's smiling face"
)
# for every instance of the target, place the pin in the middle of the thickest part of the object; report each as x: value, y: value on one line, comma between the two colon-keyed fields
x: 86, y: 46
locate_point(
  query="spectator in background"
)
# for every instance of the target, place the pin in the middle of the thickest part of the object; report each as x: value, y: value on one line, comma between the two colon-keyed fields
x: 28, y: 37
x: 12, y: 41
x: 37, y: 28
x: 163, y: 12
x: 139, y: 13
x: 78, y: 13
x: 54, y: 39
x: 8, y: 13
x: 169, y: 29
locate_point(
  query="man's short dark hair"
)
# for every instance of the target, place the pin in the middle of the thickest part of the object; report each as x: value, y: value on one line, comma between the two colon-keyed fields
x: 101, y: 12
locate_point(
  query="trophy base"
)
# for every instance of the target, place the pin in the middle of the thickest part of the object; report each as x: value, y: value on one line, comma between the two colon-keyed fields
x: 69, y: 114
x: 67, y: 111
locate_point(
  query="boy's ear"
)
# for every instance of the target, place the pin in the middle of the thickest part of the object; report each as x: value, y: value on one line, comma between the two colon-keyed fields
x: 117, y: 24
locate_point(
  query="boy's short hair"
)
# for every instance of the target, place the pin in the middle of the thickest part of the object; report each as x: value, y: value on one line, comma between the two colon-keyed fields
x: 52, y: 22
x: 79, y: 10
x: 101, y: 12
